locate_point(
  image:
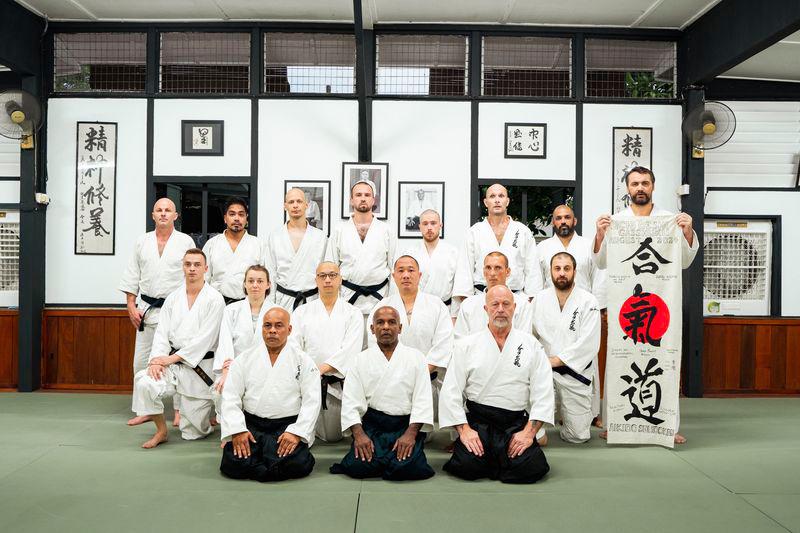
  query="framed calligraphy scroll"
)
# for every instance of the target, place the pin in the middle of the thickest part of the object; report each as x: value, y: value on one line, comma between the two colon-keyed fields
x: 632, y: 147
x: 203, y: 137
x: 95, y: 188
x: 526, y: 141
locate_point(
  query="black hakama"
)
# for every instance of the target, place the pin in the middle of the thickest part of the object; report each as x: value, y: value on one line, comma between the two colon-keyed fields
x: 496, y: 427
x: 264, y: 463
x: 383, y: 430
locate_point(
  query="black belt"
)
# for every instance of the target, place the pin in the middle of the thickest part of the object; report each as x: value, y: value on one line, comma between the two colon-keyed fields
x: 197, y: 370
x: 229, y: 301
x: 325, y: 381
x: 364, y: 290
x: 447, y: 302
x: 299, y: 296
x: 434, y: 375
x: 152, y: 302
x: 479, y: 287
x: 564, y: 370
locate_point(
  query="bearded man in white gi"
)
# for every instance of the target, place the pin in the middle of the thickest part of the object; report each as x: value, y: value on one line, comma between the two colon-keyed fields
x: 640, y: 182
x: 498, y: 232
x: 293, y: 252
x: 387, y: 407
x: 363, y: 247
x: 587, y: 276
x: 331, y: 332
x: 182, y: 355
x: 566, y: 320
x: 437, y: 259
x: 472, y: 316
x: 269, y: 407
x: 497, y: 394
x: 154, y: 271
x: 231, y: 252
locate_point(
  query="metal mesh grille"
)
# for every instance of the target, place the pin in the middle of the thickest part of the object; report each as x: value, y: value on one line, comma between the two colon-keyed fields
x: 195, y: 62
x: 87, y: 62
x: 630, y: 69
x: 309, y: 63
x: 735, y: 266
x: 527, y: 66
x: 434, y: 65
x: 9, y: 256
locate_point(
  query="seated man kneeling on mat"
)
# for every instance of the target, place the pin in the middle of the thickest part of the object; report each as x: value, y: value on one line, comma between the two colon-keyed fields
x: 502, y: 374
x: 270, y: 406
x: 386, y: 406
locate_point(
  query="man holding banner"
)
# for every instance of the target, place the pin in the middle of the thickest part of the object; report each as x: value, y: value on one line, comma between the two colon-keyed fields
x: 644, y: 249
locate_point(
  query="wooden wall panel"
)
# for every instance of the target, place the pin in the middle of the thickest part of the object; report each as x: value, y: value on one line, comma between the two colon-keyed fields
x: 9, y: 348
x: 87, y: 349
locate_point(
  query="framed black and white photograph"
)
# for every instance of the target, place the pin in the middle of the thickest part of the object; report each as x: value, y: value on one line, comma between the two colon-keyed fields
x: 202, y: 137
x: 525, y: 140
x: 96, y: 188
x: 632, y: 147
x: 375, y: 173
x: 414, y: 197
x: 318, y: 198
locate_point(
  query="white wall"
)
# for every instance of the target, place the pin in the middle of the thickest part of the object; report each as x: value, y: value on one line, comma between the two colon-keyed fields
x: 560, y: 161
x: 786, y: 204
x: 74, y: 278
x: 167, y: 158
x: 9, y: 192
x: 9, y: 158
x: 303, y: 140
x: 426, y: 141
x: 598, y: 121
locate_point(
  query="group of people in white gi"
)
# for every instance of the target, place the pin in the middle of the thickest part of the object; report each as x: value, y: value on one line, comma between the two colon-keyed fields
x: 266, y: 339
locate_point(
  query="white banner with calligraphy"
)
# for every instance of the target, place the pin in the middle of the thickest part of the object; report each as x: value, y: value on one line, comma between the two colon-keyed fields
x: 95, y: 189
x: 643, y: 361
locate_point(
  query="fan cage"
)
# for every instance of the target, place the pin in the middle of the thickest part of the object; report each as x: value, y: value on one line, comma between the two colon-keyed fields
x: 735, y: 266
x: 9, y: 256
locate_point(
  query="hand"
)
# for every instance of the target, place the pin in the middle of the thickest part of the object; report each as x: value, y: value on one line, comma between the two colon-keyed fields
x: 520, y: 441
x: 226, y: 365
x: 603, y: 223
x: 287, y: 443
x: 405, y: 444
x: 219, y: 385
x: 155, y: 371
x: 470, y: 439
x: 555, y: 361
x: 135, y: 315
x: 363, y: 447
x: 241, y: 444
x: 165, y: 360
x: 684, y: 222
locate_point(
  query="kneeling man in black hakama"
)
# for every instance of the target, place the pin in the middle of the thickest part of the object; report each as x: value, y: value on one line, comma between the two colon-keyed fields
x: 386, y: 406
x: 270, y: 406
x: 497, y: 393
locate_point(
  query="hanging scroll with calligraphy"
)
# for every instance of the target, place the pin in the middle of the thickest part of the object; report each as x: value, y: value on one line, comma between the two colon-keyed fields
x: 633, y: 147
x: 644, y: 330
x: 95, y: 190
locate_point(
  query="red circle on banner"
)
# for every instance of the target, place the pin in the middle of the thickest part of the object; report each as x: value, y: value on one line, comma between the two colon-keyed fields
x: 652, y: 313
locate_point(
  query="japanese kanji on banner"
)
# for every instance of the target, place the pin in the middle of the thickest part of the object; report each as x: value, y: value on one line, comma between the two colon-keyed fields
x: 643, y: 360
x: 95, y: 189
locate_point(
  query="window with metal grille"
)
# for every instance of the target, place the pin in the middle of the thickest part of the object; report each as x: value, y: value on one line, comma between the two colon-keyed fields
x: 205, y: 62
x: 309, y: 63
x: 9, y: 256
x: 735, y: 265
x: 432, y: 65
x: 527, y: 66
x: 630, y: 69
x: 89, y: 62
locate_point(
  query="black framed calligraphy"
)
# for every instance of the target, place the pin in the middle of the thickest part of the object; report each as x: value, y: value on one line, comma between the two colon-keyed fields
x: 95, y: 188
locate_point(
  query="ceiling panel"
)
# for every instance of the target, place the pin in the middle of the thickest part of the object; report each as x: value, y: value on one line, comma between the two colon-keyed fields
x: 312, y: 10
x: 580, y: 12
x: 468, y: 11
x: 152, y: 9
x: 781, y: 61
x: 55, y: 9
x: 675, y: 13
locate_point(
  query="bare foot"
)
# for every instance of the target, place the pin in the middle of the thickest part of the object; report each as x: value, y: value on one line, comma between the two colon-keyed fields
x: 604, y: 434
x: 680, y: 439
x: 542, y: 442
x: 598, y: 422
x: 136, y: 420
x: 157, y: 439
x: 214, y: 422
x: 176, y: 421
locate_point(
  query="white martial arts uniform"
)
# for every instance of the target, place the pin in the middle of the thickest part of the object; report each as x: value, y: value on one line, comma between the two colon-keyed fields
x: 438, y: 269
x: 518, y: 246
x: 295, y: 271
x: 226, y: 268
x: 688, y: 253
x: 518, y: 378
x: 154, y: 276
x: 239, y: 332
x: 472, y: 317
x: 194, y: 332
x: 366, y: 263
x: 573, y: 335
x: 290, y: 388
x: 587, y: 276
x: 399, y: 386
x: 332, y: 339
